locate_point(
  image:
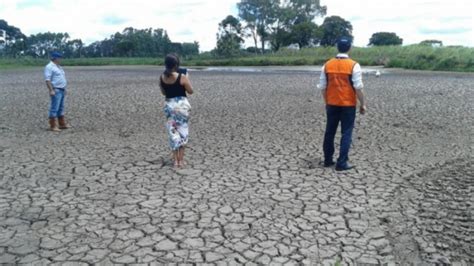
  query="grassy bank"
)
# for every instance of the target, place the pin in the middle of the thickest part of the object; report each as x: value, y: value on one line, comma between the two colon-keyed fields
x: 8, y: 63
x: 408, y: 57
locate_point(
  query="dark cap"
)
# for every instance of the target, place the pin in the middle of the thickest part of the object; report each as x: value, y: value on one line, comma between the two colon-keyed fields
x: 56, y: 55
x: 344, y: 44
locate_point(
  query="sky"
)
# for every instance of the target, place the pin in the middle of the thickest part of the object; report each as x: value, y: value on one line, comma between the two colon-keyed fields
x: 450, y: 21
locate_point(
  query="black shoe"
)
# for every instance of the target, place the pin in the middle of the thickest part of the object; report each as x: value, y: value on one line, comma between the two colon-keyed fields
x: 345, y: 168
x: 329, y: 164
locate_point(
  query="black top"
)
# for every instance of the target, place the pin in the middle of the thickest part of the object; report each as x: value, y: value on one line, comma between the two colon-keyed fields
x: 173, y: 90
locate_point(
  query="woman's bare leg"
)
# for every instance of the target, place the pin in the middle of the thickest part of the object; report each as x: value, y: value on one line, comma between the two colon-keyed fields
x: 181, y: 156
x: 176, y: 158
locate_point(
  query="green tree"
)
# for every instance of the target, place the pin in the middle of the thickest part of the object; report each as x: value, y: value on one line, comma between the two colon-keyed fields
x: 295, y: 23
x: 259, y: 16
x: 125, y: 48
x: 161, y: 41
x: 41, y: 44
x: 385, y: 38
x: 281, y: 29
x: 434, y: 43
x: 129, y: 42
x: 305, y: 10
x: 107, y: 48
x: 12, y: 33
x: 305, y: 34
x: 190, y: 49
x: 14, y: 41
x: 92, y: 50
x: 229, y: 38
x: 133, y: 42
x: 74, y: 48
x: 280, y: 37
x: 333, y: 28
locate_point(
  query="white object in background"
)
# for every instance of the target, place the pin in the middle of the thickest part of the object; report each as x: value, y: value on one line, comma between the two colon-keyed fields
x: 377, y: 74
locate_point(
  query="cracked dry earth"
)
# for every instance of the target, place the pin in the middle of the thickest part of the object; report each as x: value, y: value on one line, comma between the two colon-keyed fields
x: 253, y: 191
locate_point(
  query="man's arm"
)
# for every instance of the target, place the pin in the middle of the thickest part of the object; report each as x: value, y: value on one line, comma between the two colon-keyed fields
x: 47, y: 76
x: 359, y: 86
x: 361, y: 97
x: 323, y: 83
x: 50, y: 88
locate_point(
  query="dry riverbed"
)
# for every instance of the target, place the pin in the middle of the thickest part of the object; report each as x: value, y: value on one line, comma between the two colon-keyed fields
x: 254, y: 190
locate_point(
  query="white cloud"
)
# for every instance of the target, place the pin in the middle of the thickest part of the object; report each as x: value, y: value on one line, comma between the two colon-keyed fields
x: 92, y: 20
x: 413, y: 20
x: 197, y: 20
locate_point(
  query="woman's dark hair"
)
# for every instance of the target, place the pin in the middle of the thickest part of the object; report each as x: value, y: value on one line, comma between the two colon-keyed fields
x: 171, y: 64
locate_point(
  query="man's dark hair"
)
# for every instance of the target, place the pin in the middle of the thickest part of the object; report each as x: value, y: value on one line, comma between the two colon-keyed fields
x: 344, y: 44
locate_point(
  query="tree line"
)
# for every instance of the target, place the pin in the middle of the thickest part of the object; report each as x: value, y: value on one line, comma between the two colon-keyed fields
x: 280, y: 23
x: 130, y: 42
x: 277, y: 23
x: 269, y: 24
x: 273, y: 24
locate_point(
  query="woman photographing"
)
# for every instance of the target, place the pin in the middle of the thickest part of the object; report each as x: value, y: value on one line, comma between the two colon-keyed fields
x: 175, y: 86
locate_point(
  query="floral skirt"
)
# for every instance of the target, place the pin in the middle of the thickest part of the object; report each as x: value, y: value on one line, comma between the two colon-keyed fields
x: 177, y: 115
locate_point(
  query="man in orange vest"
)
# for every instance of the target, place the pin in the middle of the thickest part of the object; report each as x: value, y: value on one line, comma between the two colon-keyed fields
x: 341, y: 86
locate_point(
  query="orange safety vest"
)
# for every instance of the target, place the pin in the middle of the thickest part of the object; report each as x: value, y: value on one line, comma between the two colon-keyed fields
x: 340, y: 91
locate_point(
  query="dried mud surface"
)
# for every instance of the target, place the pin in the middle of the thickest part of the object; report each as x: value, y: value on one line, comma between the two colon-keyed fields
x: 254, y: 191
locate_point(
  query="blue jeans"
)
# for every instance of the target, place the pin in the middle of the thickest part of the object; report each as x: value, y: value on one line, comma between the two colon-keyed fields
x: 56, y: 108
x: 346, y: 116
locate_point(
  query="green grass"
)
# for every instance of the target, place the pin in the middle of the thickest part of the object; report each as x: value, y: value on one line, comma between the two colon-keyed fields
x: 109, y: 61
x: 408, y: 57
x: 10, y: 63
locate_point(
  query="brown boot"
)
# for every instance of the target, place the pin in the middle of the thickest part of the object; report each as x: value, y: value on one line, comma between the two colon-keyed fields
x: 52, y: 125
x: 62, y: 123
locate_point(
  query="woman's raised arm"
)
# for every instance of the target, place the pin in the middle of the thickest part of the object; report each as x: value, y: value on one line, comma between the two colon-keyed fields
x: 187, y: 84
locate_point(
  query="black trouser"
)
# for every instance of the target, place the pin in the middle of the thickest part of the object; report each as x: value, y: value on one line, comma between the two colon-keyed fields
x: 346, y: 116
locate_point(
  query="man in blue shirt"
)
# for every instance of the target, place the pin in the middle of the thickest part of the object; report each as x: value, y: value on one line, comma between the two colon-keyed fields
x: 56, y: 82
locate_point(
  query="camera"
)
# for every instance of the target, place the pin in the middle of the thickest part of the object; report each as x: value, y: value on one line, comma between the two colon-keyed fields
x: 183, y: 71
